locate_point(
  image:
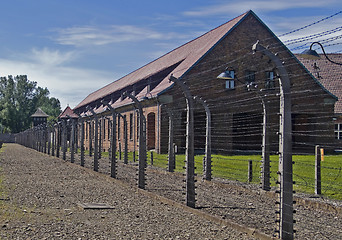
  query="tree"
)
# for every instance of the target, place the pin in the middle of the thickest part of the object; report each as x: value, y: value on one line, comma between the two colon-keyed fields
x: 19, y: 99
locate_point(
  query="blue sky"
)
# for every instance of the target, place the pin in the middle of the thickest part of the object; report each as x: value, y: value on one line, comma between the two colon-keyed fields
x: 74, y: 47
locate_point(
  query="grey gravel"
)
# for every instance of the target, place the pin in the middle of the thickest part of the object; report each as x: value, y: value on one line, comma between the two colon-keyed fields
x: 42, y: 194
x: 51, y: 189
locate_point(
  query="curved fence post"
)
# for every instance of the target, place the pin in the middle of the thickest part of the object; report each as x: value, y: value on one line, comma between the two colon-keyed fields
x: 285, y: 147
x: 207, y: 162
x: 190, y: 154
x: 96, y: 143
x: 113, y: 134
x: 171, y: 152
x: 142, y: 142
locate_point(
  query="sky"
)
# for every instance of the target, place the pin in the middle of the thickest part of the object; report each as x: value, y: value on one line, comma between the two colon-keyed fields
x: 75, y: 47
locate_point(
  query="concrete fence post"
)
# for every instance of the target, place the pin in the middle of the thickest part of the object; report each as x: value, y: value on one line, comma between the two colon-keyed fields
x: 189, y: 154
x: 285, y: 173
x: 125, y: 140
x: 207, y: 163
x: 53, y: 143
x: 113, y: 134
x: 64, y: 138
x: 96, y: 138
x: 90, y: 137
x: 318, y: 185
x: 250, y: 171
x: 171, y: 152
x: 142, y: 142
x: 58, y: 139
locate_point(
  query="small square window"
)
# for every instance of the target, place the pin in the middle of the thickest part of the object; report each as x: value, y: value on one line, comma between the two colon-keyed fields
x: 250, y: 76
x: 230, y: 84
x: 269, y: 82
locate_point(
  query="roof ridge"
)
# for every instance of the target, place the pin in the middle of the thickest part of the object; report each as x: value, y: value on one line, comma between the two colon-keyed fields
x: 164, y: 61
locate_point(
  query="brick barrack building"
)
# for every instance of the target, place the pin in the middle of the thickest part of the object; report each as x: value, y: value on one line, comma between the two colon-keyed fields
x: 235, y: 108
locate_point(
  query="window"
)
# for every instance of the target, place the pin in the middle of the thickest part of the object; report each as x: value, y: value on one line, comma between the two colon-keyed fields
x: 138, y: 124
x: 269, y: 82
x: 109, y: 128
x: 131, y: 126
x: 119, y: 127
x: 86, y: 130
x: 230, y: 84
x: 250, y: 76
x: 104, y: 128
x: 338, y: 131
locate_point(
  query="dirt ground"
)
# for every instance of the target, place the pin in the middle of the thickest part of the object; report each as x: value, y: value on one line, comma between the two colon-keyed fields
x: 42, y: 194
x: 40, y: 197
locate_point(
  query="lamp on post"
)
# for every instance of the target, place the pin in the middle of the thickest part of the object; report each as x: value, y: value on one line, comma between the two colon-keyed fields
x: 312, y: 54
x: 226, y: 75
x: 229, y: 77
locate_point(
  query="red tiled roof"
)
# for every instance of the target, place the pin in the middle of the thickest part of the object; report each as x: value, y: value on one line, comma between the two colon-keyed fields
x: 186, y: 56
x: 68, y: 112
x: 328, y: 74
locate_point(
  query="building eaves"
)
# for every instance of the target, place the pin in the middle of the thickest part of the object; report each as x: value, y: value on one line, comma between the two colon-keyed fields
x: 186, y: 55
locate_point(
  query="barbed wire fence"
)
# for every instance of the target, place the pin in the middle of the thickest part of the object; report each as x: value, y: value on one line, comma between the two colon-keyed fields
x: 239, y: 151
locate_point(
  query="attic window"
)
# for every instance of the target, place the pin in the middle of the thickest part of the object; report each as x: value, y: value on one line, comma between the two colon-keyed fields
x: 230, y: 84
x: 250, y: 76
x: 269, y: 81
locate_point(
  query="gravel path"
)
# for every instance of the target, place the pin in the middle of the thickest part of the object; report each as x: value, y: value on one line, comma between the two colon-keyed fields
x: 245, y: 204
x: 41, y: 200
x: 54, y: 187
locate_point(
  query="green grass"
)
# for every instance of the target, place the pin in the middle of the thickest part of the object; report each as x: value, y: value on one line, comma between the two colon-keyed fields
x: 236, y: 168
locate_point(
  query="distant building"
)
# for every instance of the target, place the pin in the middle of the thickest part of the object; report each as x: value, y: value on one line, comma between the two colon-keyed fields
x: 67, y: 113
x: 39, y: 117
x: 330, y: 76
x: 65, y: 116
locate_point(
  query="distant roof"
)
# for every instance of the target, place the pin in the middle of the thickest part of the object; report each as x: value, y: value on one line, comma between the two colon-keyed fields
x: 39, y: 113
x: 328, y: 74
x: 182, y: 59
x: 68, y: 112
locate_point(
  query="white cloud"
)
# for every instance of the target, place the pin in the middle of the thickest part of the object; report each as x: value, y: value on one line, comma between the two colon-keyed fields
x: 70, y: 85
x: 90, y: 35
x: 49, y: 57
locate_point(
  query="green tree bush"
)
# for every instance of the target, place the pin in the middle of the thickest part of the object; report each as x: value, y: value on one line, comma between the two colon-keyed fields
x: 19, y: 99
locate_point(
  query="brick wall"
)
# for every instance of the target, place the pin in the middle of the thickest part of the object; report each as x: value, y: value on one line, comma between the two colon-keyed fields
x: 235, y: 51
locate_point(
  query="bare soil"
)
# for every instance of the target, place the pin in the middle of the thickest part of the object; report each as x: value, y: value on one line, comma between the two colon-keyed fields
x: 42, y: 194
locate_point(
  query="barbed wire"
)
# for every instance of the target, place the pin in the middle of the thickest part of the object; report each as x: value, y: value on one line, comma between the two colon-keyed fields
x: 311, y: 24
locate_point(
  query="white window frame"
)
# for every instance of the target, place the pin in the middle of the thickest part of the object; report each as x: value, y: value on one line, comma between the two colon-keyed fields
x: 230, y: 84
x: 338, y: 131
